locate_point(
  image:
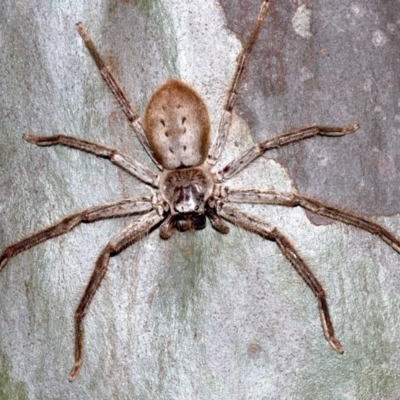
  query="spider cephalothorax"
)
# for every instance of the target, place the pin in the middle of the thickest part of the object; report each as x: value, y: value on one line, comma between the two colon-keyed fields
x: 188, y: 190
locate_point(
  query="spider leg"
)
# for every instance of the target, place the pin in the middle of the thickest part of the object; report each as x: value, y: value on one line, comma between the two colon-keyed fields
x: 109, y: 210
x: 127, y: 236
x: 167, y: 228
x: 294, y: 200
x: 254, y: 224
x: 128, y: 164
x: 118, y: 93
x: 216, y: 221
x: 259, y: 149
x: 223, y: 129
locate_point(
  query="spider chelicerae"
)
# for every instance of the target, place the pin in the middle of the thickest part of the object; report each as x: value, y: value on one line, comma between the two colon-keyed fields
x: 188, y: 188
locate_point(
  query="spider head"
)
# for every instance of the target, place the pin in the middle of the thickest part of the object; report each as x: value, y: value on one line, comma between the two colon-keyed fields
x: 188, y: 198
x: 186, y: 191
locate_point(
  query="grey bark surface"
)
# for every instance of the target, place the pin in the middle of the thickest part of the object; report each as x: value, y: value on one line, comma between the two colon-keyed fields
x: 202, y: 315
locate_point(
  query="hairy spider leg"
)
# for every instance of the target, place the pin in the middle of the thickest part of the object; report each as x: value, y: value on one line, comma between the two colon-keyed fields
x: 267, y: 231
x: 283, y: 139
x: 130, y: 165
x: 225, y: 123
x: 115, y: 209
x: 118, y: 93
x: 126, y: 237
x: 257, y: 196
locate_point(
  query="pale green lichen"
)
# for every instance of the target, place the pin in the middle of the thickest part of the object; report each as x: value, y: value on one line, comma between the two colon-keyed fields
x: 10, y: 389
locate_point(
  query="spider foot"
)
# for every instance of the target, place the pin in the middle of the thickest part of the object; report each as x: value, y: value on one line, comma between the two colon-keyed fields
x: 75, y: 371
x: 29, y: 138
x: 351, y: 128
x: 41, y: 140
x: 335, y: 344
x: 338, y: 131
x: 7, y: 254
x: 3, y: 261
x: 327, y: 324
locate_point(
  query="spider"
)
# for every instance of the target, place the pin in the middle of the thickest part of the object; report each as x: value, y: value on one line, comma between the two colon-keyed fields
x: 188, y: 187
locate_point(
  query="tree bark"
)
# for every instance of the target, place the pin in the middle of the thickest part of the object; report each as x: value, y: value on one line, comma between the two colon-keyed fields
x: 202, y: 315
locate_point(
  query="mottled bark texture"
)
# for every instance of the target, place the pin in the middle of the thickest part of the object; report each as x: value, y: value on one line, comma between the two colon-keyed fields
x: 203, y: 315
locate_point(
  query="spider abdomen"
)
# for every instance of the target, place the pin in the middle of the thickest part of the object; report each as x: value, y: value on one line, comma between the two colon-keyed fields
x: 178, y: 126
